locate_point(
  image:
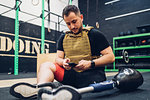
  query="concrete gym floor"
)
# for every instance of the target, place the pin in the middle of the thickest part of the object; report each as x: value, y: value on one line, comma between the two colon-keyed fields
x: 142, y: 93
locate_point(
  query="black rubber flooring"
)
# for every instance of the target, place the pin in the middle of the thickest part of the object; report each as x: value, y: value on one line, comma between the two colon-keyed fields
x: 142, y: 93
x: 5, y: 76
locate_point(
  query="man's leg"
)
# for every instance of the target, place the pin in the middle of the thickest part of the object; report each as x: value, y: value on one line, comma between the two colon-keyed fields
x: 46, y: 73
x: 45, y: 76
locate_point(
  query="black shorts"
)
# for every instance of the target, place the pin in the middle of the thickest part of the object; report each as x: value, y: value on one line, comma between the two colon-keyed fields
x: 83, y: 79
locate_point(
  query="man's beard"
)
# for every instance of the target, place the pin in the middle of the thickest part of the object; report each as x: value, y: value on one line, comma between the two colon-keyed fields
x: 80, y: 29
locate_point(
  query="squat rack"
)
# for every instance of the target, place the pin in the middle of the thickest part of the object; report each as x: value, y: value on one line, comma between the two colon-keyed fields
x: 17, y: 9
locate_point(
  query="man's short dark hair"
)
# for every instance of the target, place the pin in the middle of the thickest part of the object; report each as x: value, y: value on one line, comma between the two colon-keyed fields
x: 70, y: 8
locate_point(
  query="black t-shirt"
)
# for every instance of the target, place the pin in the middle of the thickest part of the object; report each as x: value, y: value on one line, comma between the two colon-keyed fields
x: 98, y: 43
x: 97, y: 40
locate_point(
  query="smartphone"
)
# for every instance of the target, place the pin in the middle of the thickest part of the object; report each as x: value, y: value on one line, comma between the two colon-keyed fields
x: 72, y: 64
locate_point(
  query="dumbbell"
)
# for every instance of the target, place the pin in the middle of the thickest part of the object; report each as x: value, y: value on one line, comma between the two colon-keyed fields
x: 121, y: 34
x: 143, y: 30
x: 129, y: 33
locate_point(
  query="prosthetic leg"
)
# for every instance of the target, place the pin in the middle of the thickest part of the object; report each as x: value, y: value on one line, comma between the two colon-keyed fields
x: 126, y: 80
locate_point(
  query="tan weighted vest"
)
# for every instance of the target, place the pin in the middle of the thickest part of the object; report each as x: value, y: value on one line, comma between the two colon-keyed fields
x: 77, y: 47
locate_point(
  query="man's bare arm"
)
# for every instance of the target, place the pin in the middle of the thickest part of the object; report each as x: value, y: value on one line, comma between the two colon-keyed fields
x: 107, y: 57
x: 59, y: 57
x: 61, y: 61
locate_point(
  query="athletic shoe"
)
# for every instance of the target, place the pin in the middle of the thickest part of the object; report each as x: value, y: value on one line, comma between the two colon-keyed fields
x: 64, y: 92
x: 26, y: 90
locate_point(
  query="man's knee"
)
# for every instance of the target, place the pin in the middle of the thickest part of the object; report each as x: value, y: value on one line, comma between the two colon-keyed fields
x: 48, y: 66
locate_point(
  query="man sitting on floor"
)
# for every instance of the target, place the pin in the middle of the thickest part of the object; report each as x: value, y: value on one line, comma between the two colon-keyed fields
x: 86, y: 47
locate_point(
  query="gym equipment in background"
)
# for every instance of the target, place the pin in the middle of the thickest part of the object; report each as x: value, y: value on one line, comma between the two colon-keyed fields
x: 129, y: 32
x: 144, y: 41
x: 143, y: 28
x: 138, y: 46
x: 126, y: 80
x: 125, y: 43
x: 121, y: 34
x: 125, y: 56
x: 126, y: 33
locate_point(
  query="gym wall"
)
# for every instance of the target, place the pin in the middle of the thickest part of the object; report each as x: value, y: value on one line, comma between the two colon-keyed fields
x: 113, y: 18
x: 29, y: 32
x: 29, y: 44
